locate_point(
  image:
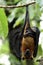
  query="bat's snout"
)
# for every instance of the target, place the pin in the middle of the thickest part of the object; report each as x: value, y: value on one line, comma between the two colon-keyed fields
x: 27, y: 53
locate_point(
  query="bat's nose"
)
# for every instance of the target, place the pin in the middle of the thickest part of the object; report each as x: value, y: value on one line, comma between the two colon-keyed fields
x: 22, y: 58
x: 27, y: 53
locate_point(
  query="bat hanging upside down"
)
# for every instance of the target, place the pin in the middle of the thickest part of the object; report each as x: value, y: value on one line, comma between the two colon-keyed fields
x: 24, y: 40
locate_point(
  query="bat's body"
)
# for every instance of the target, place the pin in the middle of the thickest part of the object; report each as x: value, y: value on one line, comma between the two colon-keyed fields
x: 24, y: 40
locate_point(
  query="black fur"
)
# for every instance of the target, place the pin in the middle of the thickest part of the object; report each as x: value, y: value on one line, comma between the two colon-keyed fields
x: 37, y: 33
x: 15, y: 41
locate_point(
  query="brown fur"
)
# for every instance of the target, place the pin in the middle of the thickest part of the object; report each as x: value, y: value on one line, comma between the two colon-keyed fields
x: 27, y: 42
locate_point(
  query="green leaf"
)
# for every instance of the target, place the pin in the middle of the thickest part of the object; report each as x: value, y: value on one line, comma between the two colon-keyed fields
x: 15, y: 13
x: 12, y: 15
x: 37, y: 13
x: 39, y: 50
x: 3, y: 23
x: 14, y: 60
x: 5, y: 47
x: 31, y: 12
x: 19, y: 20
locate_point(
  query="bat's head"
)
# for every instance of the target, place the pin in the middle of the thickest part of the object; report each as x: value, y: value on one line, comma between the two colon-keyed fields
x: 27, y: 54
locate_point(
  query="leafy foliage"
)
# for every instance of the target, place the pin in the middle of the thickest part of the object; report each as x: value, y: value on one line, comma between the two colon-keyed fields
x: 35, y: 12
x: 3, y: 23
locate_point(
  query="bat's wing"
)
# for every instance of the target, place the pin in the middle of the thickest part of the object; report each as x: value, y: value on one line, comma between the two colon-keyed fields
x: 37, y: 33
x: 15, y: 42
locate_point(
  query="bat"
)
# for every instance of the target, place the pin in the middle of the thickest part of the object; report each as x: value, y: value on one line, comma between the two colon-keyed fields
x: 23, y: 40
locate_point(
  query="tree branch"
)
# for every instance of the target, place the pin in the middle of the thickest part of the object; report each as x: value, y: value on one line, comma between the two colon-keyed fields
x: 15, y: 6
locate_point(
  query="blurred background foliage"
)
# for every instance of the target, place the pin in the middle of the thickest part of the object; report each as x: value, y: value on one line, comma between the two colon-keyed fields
x: 18, y: 16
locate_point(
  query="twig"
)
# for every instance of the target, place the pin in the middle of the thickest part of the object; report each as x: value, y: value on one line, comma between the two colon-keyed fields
x: 15, y: 6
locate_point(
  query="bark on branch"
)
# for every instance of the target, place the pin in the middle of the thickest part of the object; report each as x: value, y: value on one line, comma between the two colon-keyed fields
x: 15, y: 6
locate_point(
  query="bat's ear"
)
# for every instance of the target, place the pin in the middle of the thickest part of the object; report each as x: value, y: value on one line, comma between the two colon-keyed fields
x: 37, y: 33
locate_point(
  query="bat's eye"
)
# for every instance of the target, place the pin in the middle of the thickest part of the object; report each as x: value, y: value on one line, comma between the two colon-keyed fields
x: 27, y: 53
